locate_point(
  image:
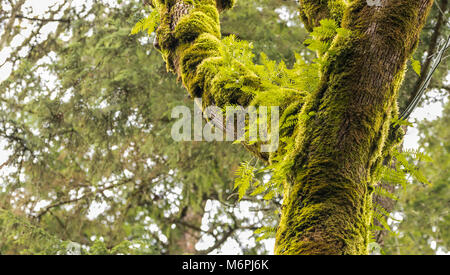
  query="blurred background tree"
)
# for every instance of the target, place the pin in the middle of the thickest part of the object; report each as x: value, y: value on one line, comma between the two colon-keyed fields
x: 85, y: 118
x: 424, y: 226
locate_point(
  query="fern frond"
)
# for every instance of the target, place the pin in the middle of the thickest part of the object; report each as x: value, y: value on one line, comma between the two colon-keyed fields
x: 146, y: 24
x: 380, y: 191
x: 245, y: 175
x: 265, y: 232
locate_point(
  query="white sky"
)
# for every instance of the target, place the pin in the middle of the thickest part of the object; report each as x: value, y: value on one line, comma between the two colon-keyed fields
x: 430, y: 112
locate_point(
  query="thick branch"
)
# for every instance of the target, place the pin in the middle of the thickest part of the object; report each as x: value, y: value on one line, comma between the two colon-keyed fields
x: 190, y: 40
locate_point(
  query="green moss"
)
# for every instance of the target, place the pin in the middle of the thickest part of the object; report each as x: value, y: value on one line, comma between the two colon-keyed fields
x: 193, y: 49
x: 278, y: 97
x: 319, y: 214
x: 206, y: 46
x: 196, y: 23
x: 336, y: 8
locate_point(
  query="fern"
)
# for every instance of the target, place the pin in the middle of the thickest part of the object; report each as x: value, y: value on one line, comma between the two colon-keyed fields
x: 415, y: 64
x: 245, y: 176
x: 396, y: 121
x: 238, y: 50
x: 410, y: 167
x: 148, y: 24
x: 380, y: 191
x: 396, y: 174
x: 265, y: 232
x: 322, y: 36
x: 374, y: 247
x: 377, y: 215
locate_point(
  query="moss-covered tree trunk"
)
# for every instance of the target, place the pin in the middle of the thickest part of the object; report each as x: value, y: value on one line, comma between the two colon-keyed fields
x: 328, y: 190
x: 327, y: 206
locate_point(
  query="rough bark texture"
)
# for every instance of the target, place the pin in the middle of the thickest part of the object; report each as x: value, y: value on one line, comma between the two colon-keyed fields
x: 334, y: 153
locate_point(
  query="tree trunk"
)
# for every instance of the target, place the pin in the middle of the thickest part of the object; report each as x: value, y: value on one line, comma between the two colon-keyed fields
x: 327, y: 207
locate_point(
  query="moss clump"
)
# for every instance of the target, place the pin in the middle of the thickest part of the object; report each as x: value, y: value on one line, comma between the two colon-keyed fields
x: 336, y: 8
x: 196, y: 23
x: 190, y: 40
